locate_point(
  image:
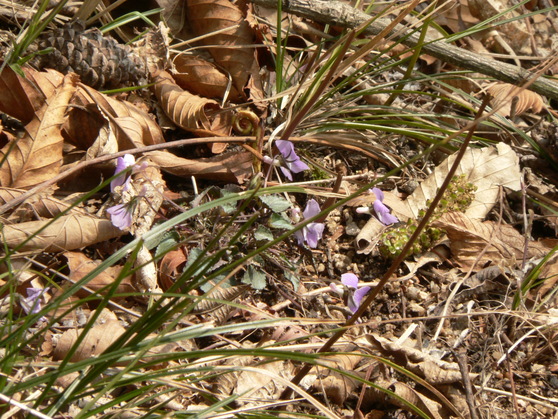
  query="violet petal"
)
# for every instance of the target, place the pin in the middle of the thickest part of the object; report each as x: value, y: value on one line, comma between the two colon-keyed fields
x: 379, y: 193
x: 292, y: 161
x: 122, y: 163
x: 313, y: 234
x: 359, y: 295
x: 383, y: 213
x: 120, y: 216
x: 312, y: 209
x: 286, y: 172
x: 349, y: 280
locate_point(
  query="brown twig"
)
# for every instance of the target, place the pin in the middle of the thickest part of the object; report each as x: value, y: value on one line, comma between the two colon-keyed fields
x: 341, y: 14
x: 461, y: 359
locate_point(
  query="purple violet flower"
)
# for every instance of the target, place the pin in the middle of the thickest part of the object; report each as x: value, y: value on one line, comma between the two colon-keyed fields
x: 290, y: 159
x: 355, y: 294
x: 121, y: 215
x: 382, y: 212
x: 122, y: 163
x: 32, y: 303
x: 312, y: 232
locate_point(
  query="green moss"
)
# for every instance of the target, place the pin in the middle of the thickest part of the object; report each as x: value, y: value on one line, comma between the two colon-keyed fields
x: 457, y: 197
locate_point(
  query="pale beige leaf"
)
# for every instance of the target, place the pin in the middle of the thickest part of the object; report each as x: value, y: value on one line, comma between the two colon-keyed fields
x: 232, y: 49
x: 227, y: 167
x: 432, y: 369
x: 66, y: 233
x: 201, y: 77
x: 487, y: 168
x: 503, y: 94
x: 98, y: 338
x: 190, y: 112
x: 37, y: 156
x: 485, y: 243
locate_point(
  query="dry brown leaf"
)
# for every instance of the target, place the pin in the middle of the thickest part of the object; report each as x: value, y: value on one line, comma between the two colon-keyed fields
x: 231, y: 49
x: 145, y: 129
x: 22, y: 97
x: 38, y: 155
x: 488, y: 169
x: 80, y: 265
x: 217, y: 310
x: 201, y: 77
x: 549, y: 273
x: 98, y: 338
x: 503, y: 95
x: 227, y: 167
x: 417, y: 399
x: 433, y: 370
x: 66, y: 233
x: 190, y: 112
x: 336, y: 386
x: 485, y: 243
x: 170, y: 266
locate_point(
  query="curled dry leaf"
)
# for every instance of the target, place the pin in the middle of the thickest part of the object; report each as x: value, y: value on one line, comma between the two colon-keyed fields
x: 190, y: 112
x: 202, y: 77
x: 138, y: 130
x: 336, y: 386
x: 231, y: 49
x: 22, y: 97
x: 37, y: 156
x: 66, y: 233
x: 503, y: 94
x: 480, y: 243
x: 417, y: 399
x: 227, y: 167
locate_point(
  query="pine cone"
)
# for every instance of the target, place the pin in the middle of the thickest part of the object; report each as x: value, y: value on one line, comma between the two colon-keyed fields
x: 100, y: 61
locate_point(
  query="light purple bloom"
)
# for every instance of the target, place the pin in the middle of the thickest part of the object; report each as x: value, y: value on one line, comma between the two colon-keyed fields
x: 382, y: 212
x: 312, y: 232
x: 290, y: 159
x: 121, y: 215
x: 122, y: 163
x: 355, y: 294
x: 32, y: 303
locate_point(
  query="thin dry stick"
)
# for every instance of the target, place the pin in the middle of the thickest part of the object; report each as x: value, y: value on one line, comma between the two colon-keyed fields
x: 395, y: 265
x: 461, y: 359
x: 341, y: 14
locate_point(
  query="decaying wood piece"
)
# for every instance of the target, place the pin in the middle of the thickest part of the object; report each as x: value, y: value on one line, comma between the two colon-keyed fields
x: 340, y: 14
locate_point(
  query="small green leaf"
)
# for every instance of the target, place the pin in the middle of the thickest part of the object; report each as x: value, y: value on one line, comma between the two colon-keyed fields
x: 262, y: 233
x: 276, y: 203
x: 280, y: 221
x: 293, y: 278
x: 169, y: 240
x: 255, y: 278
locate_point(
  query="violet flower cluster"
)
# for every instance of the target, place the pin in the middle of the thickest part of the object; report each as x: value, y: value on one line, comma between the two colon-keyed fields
x: 121, y: 214
x: 312, y: 232
x: 383, y: 213
x: 289, y: 162
x: 354, y: 293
